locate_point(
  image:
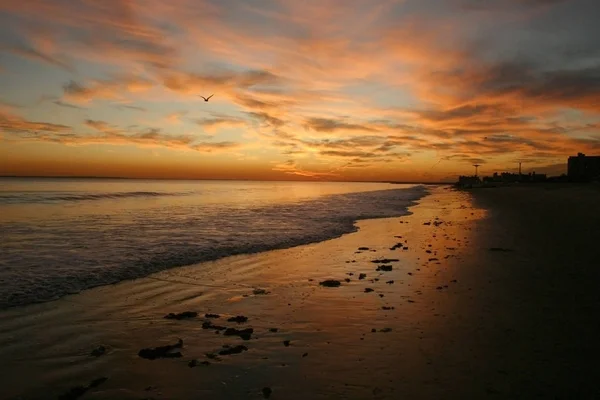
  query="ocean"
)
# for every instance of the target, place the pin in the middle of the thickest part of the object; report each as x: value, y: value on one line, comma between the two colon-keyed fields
x: 61, y: 236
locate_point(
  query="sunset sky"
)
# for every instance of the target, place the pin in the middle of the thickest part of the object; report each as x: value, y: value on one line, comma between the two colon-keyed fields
x: 316, y: 89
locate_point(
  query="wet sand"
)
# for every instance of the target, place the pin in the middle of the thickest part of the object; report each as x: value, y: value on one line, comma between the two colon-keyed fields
x: 467, y: 322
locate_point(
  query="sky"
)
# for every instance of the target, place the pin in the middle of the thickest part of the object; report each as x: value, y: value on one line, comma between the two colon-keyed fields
x: 403, y: 90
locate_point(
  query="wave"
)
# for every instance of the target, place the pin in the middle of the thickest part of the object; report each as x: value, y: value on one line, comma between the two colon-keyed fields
x: 73, y: 254
x: 41, y: 197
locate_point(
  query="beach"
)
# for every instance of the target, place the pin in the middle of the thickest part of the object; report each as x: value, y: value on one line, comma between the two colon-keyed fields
x: 492, y: 293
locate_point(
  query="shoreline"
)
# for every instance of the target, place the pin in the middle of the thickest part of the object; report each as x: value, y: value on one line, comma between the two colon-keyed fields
x: 458, y: 319
x: 350, y: 227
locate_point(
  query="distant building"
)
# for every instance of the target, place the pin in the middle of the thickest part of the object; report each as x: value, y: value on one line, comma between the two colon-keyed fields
x: 509, y: 177
x: 583, y: 168
x: 468, y: 181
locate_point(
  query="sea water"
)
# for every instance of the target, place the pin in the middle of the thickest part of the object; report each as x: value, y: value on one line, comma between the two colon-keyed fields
x: 60, y: 236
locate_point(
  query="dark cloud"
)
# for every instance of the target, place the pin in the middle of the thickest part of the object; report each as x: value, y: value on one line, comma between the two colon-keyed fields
x: 348, y: 153
x: 61, y: 103
x: 130, y: 107
x: 267, y: 118
x: 506, y: 4
x: 331, y: 125
x: 214, y: 146
x: 195, y: 82
x: 36, y: 55
x: 460, y: 113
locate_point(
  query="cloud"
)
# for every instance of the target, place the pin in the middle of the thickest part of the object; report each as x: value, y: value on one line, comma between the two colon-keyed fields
x: 267, y: 118
x: 330, y: 125
x: 33, y: 54
x: 61, y: 103
x: 227, y: 81
x: 379, y: 81
x: 112, y: 31
x: 131, y: 107
x: 13, y: 124
x: 220, y: 122
x: 114, y: 89
x: 291, y: 167
x: 19, y: 129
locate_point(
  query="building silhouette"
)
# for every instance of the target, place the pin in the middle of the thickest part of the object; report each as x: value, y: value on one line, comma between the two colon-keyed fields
x: 582, y: 168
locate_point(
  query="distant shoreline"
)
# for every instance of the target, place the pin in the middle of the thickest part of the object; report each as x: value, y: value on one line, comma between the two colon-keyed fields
x: 214, y: 179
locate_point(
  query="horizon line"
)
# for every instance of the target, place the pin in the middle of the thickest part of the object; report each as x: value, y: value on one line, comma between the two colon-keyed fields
x: 213, y: 179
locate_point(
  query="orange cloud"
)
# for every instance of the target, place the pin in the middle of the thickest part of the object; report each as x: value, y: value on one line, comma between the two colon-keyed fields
x: 21, y: 130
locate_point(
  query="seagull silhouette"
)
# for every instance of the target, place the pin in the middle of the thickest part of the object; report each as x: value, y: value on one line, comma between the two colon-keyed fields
x: 207, y: 98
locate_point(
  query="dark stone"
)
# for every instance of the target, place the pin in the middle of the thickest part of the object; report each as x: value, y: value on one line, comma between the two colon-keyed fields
x: 387, y: 308
x: 239, y: 319
x: 363, y: 248
x: 385, y: 330
x: 212, y: 356
x: 384, y: 260
x: 368, y: 290
x: 397, y: 246
x: 381, y: 294
x: 426, y: 223
x: 162, y: 351
x: 78, y: 391
x: 286, y: 343
x: 454, y: 281
x: 183, y: 315
x: 273, y: 329
x: 210, y: 325
x: 433, y: 259
x: 347, y: 280
x: 243, y: 333
x: 266, y: 391
x: 390, y: 282
x: 97, y: 382
x: 439, y: 288
x: 362, y: 276
x: 259, y: 291
x: 233, y: 350
x: 330, y: 283
x: 499, y: 249
x: 428, y: 251
x: 98, y: 351
x: 305, y: 355
x: 409, y: 273
x: 373, y: 330
x: 212, y: 316
x: 384, y: 268
x: 194, y: 363
x: 74, y: 393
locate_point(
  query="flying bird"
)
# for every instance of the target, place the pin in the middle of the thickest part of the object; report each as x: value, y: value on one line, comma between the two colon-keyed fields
x: 207, y: 98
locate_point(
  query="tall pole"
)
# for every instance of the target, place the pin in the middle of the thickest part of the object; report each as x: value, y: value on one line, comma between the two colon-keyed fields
x: 519, y: 168
x: 476, y: 167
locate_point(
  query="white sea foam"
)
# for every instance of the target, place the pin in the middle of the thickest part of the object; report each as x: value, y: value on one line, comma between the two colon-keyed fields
x: 63, y: 241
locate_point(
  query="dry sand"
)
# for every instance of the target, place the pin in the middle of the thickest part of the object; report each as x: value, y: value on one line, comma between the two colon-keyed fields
x: 467, y: 322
